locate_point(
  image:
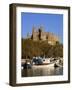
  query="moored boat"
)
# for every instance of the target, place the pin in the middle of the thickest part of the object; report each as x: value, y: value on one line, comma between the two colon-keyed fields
x: 42, y: 61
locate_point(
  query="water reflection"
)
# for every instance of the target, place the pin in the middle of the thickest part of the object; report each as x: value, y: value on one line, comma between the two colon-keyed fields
x: 42, y: 71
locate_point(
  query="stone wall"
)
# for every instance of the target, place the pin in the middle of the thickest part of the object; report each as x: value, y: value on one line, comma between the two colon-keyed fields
x: 42, y: 35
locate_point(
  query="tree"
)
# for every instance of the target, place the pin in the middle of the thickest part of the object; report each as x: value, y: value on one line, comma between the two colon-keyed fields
x: 32, y: 48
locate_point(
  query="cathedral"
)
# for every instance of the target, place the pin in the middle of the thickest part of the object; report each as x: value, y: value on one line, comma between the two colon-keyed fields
x: 40, y: 34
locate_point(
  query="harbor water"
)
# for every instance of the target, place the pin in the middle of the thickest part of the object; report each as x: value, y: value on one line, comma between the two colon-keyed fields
x: 42, y: 70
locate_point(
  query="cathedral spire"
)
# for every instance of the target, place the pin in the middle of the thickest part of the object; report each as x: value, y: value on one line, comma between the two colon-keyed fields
x: 41, y: 28
x: 33, y: 29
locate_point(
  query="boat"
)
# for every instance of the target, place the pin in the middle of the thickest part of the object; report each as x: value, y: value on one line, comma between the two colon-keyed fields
x: 56, y: 65
x: 26, y: 65
x: 42, y: 61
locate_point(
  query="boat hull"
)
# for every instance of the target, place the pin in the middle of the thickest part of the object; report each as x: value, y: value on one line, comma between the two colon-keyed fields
x: 45, y: 64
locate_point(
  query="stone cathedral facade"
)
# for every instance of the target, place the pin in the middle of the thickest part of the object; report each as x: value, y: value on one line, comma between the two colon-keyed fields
x: 41, y: 35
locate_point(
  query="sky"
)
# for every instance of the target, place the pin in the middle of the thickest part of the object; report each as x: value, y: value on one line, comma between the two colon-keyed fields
x: 51, y: 22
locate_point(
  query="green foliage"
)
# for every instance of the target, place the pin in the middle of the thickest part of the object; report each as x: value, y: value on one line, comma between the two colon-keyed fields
x: 32, y: 48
